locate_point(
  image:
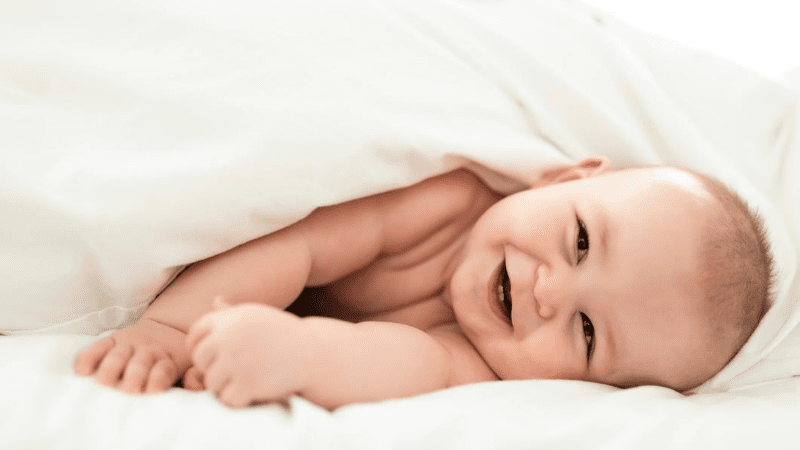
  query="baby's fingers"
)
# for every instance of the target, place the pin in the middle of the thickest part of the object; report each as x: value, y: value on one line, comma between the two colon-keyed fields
x: 87, y: 361
x: 193, y: 380
x: 234, y: 397
x: 198, y: 332
x: 113, y: 365
x: 217, y: 378
x: 137, y: 372
x: 203, y: 326
x: 163, y: 376
x: 204, y: 355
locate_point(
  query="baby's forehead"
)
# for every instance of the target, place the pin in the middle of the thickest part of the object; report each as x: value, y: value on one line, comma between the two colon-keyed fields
x: 682, y: 179
x: 662, y: 181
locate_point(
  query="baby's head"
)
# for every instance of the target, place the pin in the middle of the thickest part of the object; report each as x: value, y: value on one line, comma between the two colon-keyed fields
x: 651, y: 275
x: 734, y: 270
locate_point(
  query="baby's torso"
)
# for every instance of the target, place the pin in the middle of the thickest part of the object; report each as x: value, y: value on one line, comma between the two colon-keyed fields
x: 408, y: 286
x: 397, y: 288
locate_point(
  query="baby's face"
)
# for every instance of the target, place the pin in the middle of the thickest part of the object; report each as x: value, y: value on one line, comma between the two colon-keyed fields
x: 600, y: 282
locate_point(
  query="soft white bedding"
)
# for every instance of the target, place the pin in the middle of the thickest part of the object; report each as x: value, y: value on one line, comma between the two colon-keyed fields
x: 141, y: 137
x: 50, y: 408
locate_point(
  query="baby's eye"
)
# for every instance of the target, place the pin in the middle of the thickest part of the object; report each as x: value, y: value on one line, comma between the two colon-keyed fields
x: 588, y: 333
x: 583, y: 241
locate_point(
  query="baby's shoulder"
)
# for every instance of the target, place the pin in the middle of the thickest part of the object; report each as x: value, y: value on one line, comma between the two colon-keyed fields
x: 459, y: 189
x: 420, y: 230
x: 453, y: 197
x: 467, y: 365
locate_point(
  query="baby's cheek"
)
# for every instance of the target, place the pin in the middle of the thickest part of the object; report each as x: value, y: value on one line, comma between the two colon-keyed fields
x: 542, y: 358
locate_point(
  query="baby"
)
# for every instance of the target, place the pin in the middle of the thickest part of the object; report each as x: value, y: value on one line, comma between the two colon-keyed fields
x: 641, y: 276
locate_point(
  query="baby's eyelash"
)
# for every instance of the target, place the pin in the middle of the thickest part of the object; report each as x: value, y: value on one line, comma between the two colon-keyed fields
x: 588, y: 334
x: 582, y: 241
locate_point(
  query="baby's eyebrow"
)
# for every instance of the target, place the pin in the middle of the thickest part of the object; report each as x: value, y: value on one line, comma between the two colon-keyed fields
x: 565, y: 253
x: 602, y: 231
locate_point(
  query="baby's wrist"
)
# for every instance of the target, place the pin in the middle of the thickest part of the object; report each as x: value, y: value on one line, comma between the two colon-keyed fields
x: 314, y: 374
x: 307, y: 351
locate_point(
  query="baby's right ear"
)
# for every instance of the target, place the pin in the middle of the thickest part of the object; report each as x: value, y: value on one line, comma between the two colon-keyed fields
x: 588, y: 167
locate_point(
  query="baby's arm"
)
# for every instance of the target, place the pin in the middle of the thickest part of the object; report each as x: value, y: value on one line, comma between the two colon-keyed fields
x: 329, y: 244
x: 151, y: 355
x: 252, y: 353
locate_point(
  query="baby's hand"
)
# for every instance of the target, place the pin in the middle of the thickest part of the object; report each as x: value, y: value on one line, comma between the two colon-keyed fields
x: 248, y: 353
x: 145, y: 358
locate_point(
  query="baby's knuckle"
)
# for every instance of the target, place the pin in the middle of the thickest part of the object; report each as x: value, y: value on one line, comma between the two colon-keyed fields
x: 121, y: 351
x: 157, y: 352
x: 135, y: 366
x: 111, y: 361
x: 168, y: 370
x: 159, y: 379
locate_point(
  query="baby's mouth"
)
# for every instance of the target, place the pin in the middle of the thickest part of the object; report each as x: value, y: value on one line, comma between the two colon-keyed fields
x: 504, y: 291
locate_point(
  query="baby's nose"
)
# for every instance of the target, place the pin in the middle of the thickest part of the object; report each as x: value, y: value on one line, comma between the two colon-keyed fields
x: 545, y: 293
x: 546, y: 312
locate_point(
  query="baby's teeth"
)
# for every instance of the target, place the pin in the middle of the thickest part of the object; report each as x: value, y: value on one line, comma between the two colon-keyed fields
x: 500, y: 294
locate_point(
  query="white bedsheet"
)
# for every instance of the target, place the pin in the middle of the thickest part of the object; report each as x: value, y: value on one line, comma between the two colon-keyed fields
x: 139, y: 138
x: 50, y: 408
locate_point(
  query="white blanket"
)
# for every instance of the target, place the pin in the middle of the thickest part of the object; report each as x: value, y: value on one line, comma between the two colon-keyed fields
x: 138, y: 138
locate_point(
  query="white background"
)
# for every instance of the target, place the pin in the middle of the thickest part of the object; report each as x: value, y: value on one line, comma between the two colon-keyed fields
x: 763, y: 35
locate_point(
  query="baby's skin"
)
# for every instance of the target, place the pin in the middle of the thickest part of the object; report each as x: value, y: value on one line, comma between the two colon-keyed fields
x: 435, y: 285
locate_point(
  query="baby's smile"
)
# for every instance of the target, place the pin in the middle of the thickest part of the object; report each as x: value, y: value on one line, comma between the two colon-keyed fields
x: 590, y: 274
x: 503, y: 284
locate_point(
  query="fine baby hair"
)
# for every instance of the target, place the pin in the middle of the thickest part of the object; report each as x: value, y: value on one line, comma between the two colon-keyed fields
x: 735, y: 274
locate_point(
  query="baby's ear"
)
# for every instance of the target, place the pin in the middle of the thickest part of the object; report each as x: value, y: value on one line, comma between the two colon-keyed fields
x: 588, y: 167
